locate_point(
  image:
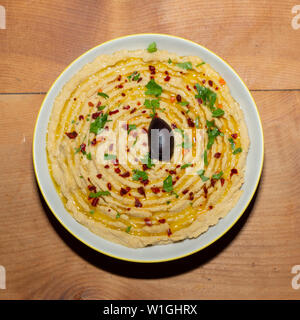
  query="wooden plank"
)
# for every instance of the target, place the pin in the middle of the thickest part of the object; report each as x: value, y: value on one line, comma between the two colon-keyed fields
x: 254, y: 36
x: 253, y: 260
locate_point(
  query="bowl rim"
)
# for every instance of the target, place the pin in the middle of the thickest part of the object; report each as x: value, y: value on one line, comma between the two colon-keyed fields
x: 131, y: 259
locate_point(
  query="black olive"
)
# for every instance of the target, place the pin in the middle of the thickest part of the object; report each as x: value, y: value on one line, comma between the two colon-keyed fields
x: 160, y: 140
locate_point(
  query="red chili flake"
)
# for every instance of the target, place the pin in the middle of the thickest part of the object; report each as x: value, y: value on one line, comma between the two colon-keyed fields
x: 75, y: 99
x: 178, y: 166
x: 120, y: 86
x: 187, y: 86
x: 145, y: 182
x: 89, y: 180
x: 145, y: 167
x: 72, y: 135
x: 210, y: 207
x: 199, y: 100
x: 91, y: 104
x: 123, y: 94
x: 205, y: 191
x: 166, y: 72
x: 217, y: 155
x: 148, y: 222
x: 139, y: 79
x: 191, y: 123
x: 117, y: 170
x: 217, y: 88
x: 82, y: 147
x: 213, y: 182
x: 191, y: 195
x: 94, y: 142
x: 195, y: 87
x: 99, y: 175
x: 95, y: 202
x: 125, y: 174
x: 106, y: 128
x: 123, y: 192
x: 162, y: 220
x: 126, y: 107
x: 234, y: 135
x: 169, y: 232
x: 233, y: 171
x: 222, y: 182
x: 128, y: 189
x: 133, y: 110
x: 167, y: 78
x: 95, y: 115
x: 210, y: 83
x: 119, y: 78
x: 115, y: 162
x: 173, y: 125
x: 106, y: 166
x: 109, y: 186
x: 152, y: 69
x: 144, y: 111
x: 137, y: 203
x: 81, y: 117
x: 185, y: 191
x: 182, y: 112
x: 98, y: 104
x: 92, y: 188
x: 155, y: 190
x: 141, y: 191
x: 172, y: 171
x: 138, y: 103
x: 145, y: 130
x: 178, y: 98
x: 113, y: 112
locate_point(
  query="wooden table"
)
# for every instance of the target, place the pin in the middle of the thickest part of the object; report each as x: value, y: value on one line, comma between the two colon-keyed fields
x: 254, y: 259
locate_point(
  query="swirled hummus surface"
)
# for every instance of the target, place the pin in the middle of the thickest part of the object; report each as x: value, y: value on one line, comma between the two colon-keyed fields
x: 99, y: 156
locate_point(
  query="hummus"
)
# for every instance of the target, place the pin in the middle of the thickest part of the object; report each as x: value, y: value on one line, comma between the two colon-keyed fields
x: 97, y: 145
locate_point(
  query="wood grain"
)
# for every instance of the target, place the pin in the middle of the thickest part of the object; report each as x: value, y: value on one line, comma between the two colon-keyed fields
x: 43, y: 37
x: 252, y: 261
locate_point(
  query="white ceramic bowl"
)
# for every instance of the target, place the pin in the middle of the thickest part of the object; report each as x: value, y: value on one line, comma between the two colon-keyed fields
x: 162, y: 252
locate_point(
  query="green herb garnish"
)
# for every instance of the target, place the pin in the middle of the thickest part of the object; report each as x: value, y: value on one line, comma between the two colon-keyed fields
x: 100, y: 108
x: 168, y: 184
x: 99, y: 194
x: 99, y: 123
x: 206, y: 95
x: 237, y: 150
x: 205, y: 158
x: 152, y: 47
x: 92, y: 211
x: 202, y: 176
x: 109, y: 156
x: 118, y: 215
x: 200, y: 64
x: 217, y: 176
x: 104, y: 95
x: 197, y: 122
x: 184, y: 103
x: 185, y: 65
x: 153, y: 88
x: 134, y: 76
x: 153, y: 105
x: 218, y: 112
x: 212, y: 134
x: 128, y: 229
x: 232, y: 144
x: 169, y: 61
x: 186, y: 165
x: 131, y: 127
x: 139, y: 175
x: 89, y: 156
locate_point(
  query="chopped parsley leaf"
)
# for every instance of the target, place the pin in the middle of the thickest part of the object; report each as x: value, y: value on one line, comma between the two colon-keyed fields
x: 102, y: 94
x: 139, y: 175
x: 202, y: 176
x: 99, y: 123
x: 200, y: 64
x: 99, y: 194
x: 186, y: 165
x: 128, y: 229
x: 237, y: 150
x: 131, y: 127
x: 185, y: 65
x: 217, y: 176
x: 89, y: 156
x: 152, y: 47
x: 153, y: 105
x: 109, y: 156
x: 168, y: 184
x: 153, y: 88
